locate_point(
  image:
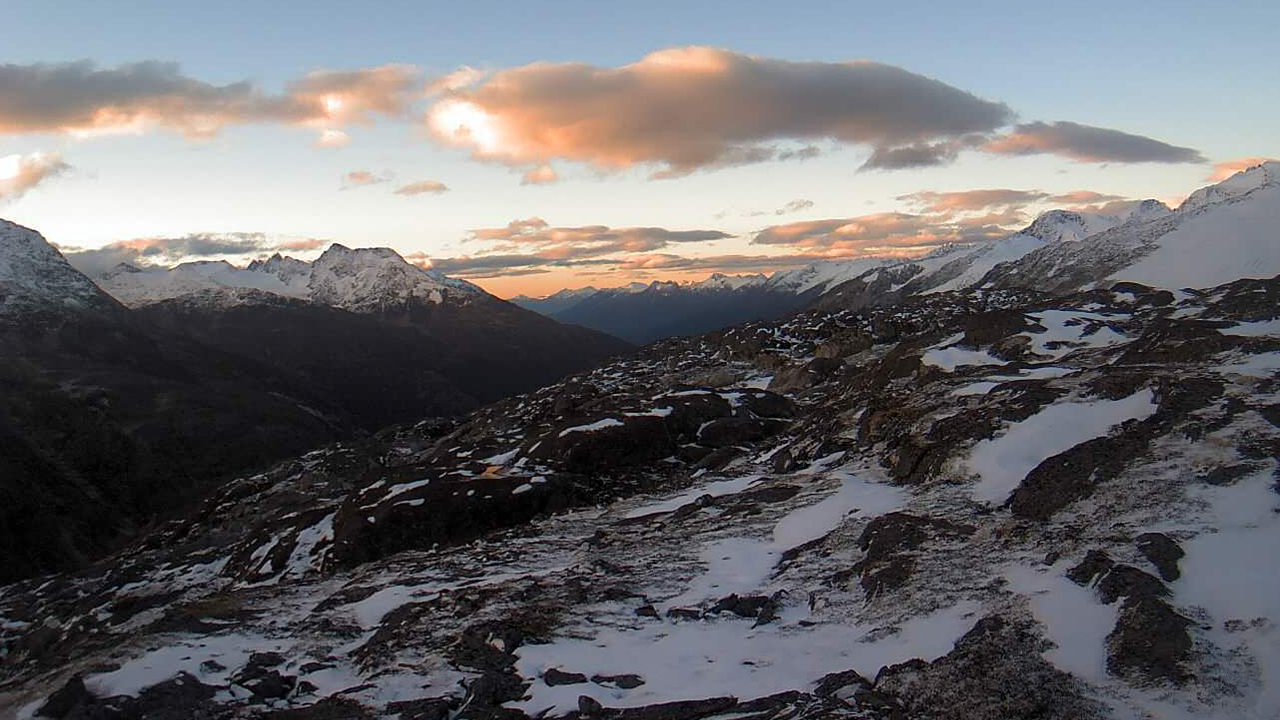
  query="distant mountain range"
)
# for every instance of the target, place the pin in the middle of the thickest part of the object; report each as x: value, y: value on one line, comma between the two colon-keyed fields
x: 121, y: 406
x: 644, y: 313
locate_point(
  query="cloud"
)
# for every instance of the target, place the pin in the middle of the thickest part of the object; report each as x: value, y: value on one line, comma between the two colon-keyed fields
x: 21, y: 173
x: 541, y: 175
x: 792, y: 207
x: 1082, y: 197
x: 916, y: 155
x: 421, y: 188
x: 162, y: 251
x: 961, y: 201
x: 558, y: 243
x: 79, y: 98
x: 361, y: 178
x: 523, y: 245
x: 332, y: 139
x: 301, y: 244
x: 890, y: 233
x: 680, y: 110
x: 1085, y: 143
x: 1224, y: 170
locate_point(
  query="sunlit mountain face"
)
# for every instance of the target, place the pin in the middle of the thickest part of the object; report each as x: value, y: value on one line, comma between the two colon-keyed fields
x: 611, y: 362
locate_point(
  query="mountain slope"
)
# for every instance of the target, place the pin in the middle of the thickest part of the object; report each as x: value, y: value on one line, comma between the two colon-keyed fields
x: 109, y: 423
x: 113, y: 418
x: 984, y: 505
x: 1220, y: 233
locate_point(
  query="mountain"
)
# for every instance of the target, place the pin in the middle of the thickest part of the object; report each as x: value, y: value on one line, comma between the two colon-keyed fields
x: 114, y: 417
x: 1220, y: 233
x: 667, y: 309
x: 107, y: 422
x: 549, y: 305
x: 1051, y: 493
x: 379, y: 335
x: 973, y: 504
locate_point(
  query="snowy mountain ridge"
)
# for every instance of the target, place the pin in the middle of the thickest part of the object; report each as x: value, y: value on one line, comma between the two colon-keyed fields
x: 34, y: 277
x: 360, y: 280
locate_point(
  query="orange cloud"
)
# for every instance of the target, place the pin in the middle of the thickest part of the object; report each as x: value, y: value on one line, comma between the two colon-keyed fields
x: 422, y: 188
x: 685, y: 109
x: 361, y: 178
x: 20, y: 174
x: 961, y: 201
x: 79, y: 98
x: 541, y: 175
x: 890, y: 233
x: 1224, y: 170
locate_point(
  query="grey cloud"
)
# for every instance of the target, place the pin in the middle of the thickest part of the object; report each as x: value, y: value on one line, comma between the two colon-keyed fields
x: 1086, y: 143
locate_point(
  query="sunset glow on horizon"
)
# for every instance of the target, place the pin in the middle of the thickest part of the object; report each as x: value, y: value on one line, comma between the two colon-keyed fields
x: 743, y: 139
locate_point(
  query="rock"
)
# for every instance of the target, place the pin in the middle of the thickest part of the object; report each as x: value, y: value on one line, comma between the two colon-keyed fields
x: 996, y: 671
x: 888, y: 542
x: 554, y: 677
x: 436, y: 708
x: 1227, y: 475
x: 733, y: 431
x: 1126, y: 581
x: 647, y: 611
x: 588, y: 705
x: 337, y: 708
x: 1163, y: 552
x: 626, y: 682
x: 681, y: 710
x: 783, y: 461
x: 749, y: 607
x: 677, y: 613
x: 1095, y: 563
x: 831, y: 683
x: 1150, y: 642
x: 72, y: 695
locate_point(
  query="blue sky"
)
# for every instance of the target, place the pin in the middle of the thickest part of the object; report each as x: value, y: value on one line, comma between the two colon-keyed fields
x: 1185, y: 74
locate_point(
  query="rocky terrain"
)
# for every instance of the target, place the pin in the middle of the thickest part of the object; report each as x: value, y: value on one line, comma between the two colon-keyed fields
x: 983, y: 502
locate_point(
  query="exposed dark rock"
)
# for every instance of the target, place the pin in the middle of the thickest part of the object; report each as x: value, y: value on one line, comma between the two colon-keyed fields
x: 995, y: 672
x: 555, y: 677
x: 1227, y: 475
x: 626, y: 682
x: 1163, y: 552
x: 888, y: 542
x: 338, y: 708
x: 1150, y: 642
x: 70, y: 696
x: 1095, y: 564
x: 1126, y: 581
x: 424, y: 709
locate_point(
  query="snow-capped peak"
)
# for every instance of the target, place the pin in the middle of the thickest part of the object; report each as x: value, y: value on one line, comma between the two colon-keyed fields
x: 720, y: 281
x: 1242, y: 183
x: 367, y: 279
x: 1069, y: 226
x: 824, y: 275
x: 34, y: 277
x: 286, y: 268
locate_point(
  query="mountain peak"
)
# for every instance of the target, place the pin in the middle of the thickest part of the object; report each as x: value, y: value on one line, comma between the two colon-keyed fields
x: 1242, y: 183
x: 371, y: 279
x: 35, y: 278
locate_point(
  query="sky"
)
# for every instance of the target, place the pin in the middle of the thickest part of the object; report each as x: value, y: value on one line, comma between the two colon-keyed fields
x: 539, y: 145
